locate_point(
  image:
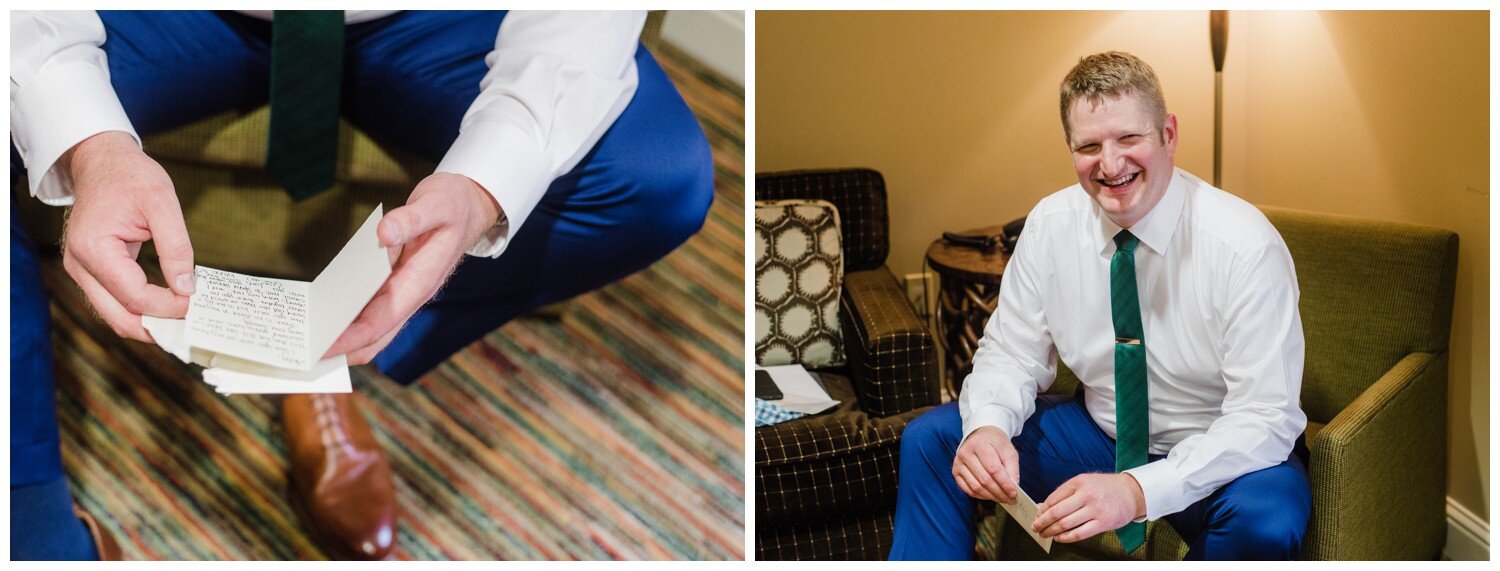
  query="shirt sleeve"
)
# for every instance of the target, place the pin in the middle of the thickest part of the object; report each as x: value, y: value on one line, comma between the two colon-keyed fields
x: 556, y: 82
x: 1262, y: 371
x: 1016, y: 357
x: 59, y: 94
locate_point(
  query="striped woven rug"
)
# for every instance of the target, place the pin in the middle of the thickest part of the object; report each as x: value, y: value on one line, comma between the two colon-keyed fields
x: 614, y: 432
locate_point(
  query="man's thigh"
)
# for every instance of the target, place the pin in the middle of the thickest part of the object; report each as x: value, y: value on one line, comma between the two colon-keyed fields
x: 411, y: 76
x: 34, y: 453
x: 170, y: 68
x: 1260, y: 515
x: 641, y: 191
x: 1058, y: 442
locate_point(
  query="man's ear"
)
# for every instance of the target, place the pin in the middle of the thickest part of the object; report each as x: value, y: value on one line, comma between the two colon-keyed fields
x: 1169, y: 135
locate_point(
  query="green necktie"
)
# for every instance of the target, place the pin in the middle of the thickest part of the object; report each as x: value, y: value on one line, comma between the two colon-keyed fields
x: 307, y: 55
x: 1132, y: 415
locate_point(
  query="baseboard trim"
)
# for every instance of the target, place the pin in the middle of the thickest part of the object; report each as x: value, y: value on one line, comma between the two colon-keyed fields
x: 714, y: 37
x: 1468, y: 535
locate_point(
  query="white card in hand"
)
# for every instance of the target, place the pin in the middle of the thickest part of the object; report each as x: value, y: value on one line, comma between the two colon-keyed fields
x: 229, y: 375
x: 258, y: 319
x: 1024, y: 510
x: 286, y: 323
x: 266, y: 335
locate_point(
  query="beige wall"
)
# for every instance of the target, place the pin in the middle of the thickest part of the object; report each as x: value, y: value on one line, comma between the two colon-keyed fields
x: 1380, y: 115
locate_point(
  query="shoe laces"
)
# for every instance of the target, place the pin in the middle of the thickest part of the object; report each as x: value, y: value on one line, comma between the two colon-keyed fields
x: 330, y: 426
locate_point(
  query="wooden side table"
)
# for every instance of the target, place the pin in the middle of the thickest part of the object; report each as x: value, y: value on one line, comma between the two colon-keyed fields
x: 969, y: 285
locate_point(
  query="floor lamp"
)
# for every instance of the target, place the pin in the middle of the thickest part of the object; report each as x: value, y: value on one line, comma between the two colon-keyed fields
x: 1218, y: 39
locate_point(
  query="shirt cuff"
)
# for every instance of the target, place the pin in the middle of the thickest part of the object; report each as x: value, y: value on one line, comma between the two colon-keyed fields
x: 1161, y: 488
x: 508, y: 164
x: 993, y: 415
x: 61, y: 107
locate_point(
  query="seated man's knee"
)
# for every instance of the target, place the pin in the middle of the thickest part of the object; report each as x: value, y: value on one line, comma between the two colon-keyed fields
x: 937, y: 429
x: 673, y: 184
x: 1273, y: 535
x: 1270, y: 522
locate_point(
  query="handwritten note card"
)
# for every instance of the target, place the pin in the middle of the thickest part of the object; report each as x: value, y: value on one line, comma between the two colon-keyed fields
x: 231, y: 376
x: 286, y: 324
x: 254, y: 318
x: 267, y: 335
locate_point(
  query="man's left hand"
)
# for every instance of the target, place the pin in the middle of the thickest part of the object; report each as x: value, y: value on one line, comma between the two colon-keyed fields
x: 444, y: 216
x: 1090, y: 504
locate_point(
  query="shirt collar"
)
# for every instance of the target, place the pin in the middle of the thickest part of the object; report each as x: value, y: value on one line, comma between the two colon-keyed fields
x: 1156, y: 228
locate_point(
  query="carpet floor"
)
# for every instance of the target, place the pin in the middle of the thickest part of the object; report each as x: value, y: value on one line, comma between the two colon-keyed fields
x: 615, y: 431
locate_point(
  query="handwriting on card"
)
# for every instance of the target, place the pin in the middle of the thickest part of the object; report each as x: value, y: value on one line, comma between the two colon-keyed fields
x: 262, y: 319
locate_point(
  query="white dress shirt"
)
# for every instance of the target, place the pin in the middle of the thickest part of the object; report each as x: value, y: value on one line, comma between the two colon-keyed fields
x: 1223, y: 336
x: 556, y: 82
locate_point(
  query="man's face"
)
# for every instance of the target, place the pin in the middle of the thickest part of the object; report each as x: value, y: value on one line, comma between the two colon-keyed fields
x: 1122, y: 160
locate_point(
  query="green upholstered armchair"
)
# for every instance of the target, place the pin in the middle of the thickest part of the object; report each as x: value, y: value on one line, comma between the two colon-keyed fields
x: 1377, y: 306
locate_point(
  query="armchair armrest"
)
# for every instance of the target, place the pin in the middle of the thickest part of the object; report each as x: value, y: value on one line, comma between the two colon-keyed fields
x: 892, y: 356
x: 1379, y: 469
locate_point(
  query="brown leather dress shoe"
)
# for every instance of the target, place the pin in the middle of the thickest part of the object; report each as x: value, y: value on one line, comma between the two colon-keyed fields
x: 104, y: 541
x: 340, y: 480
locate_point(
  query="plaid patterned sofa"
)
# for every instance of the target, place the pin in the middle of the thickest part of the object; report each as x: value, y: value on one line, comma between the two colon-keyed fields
x: 826, y: 484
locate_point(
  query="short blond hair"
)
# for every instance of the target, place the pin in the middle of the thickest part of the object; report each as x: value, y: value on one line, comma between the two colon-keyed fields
x: 1111, y: 74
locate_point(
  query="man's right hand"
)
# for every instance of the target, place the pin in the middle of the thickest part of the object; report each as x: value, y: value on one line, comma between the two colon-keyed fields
x: 987, y: 467
x: 121, y: 199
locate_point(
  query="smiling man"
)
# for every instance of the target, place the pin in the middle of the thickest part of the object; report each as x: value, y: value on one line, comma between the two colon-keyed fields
x: 1175, y: 303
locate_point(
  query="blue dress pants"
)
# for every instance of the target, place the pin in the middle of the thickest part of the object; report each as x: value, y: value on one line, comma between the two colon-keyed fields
x: 42, y: 525
x: 409, y: 78
x: 641, y: 191
x: 1261, y: 515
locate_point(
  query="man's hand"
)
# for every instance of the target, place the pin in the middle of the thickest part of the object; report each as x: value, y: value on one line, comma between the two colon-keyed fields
x: 987, y: 467
x: 444, y: 216
x: 1088, y: 505
x: 121, y: 199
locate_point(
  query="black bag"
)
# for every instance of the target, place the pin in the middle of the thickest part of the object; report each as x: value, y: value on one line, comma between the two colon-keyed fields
x: 1005, y: 240
x: 1012, y: 234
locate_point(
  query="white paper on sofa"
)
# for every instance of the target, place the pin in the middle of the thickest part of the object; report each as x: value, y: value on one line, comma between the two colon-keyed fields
x: 800, y: 391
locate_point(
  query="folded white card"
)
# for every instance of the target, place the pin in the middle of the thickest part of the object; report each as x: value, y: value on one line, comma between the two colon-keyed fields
x: 235, y: 376
x: 265, y: 335
x: 1024, y: 510
x: 229, y: 375
x: 287, y: 323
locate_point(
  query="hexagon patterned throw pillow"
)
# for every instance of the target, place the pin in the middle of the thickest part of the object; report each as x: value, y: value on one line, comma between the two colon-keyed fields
x: 799, y: 273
